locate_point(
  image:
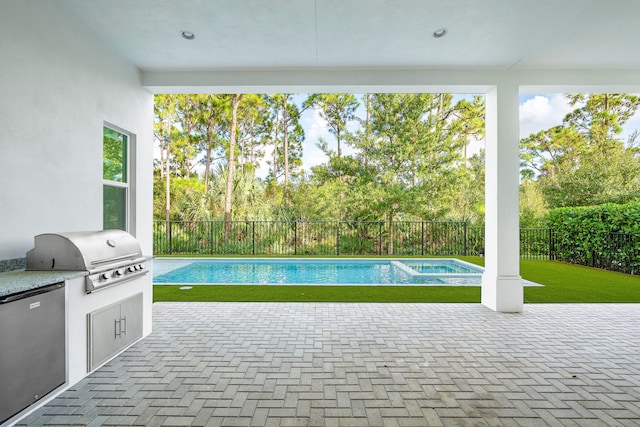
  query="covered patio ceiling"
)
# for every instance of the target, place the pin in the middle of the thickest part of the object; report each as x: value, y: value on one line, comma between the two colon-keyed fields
x: 243, y: 35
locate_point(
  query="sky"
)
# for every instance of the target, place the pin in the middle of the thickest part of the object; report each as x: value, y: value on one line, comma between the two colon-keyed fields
x: 537, y: 112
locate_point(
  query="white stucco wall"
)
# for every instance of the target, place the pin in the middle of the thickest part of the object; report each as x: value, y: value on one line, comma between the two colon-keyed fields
x: 58, y: 85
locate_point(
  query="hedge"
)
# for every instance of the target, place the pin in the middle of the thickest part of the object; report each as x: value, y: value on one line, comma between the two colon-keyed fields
x: 602, y: 236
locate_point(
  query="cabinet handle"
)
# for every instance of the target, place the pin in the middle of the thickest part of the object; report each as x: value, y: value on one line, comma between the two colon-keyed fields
x: 123, y: 325
x: 117, y: 328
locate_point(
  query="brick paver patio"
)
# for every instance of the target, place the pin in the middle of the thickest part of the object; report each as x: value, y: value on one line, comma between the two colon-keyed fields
x: 281, y: 364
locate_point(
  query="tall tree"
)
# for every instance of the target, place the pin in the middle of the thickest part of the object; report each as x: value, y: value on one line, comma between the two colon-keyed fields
x: 287, y: 137
x: 212, y: 111
x: 337, y: 109
x: 249, y: 200
x: 361, y: 138
x: 407, y: 164
x: 235, y: 102
x: 412, y: 157
x: 600, y: 117
x: 545, y: 152
x: 165, y: 109
x: 186, y: 147
x: 584, y: 161
x: 611, y: 176
x: 254, y: 128
x: 470, y: 114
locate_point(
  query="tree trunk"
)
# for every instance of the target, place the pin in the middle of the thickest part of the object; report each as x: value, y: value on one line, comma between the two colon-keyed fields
x: 275, y: 149
x: 439, y: 121
x: 366, y: 132
x: 235, y: 101
x: 285, y: 142
x: 167, y: 213
x: 207, y: 164
x: 275, y: 162
x: 391, y: 232
x: 252, y: 151
x: 167, y: 186
x: 464, y: 150
x: 162, y: 148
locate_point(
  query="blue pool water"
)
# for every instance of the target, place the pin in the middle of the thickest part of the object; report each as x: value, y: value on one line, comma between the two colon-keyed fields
x: 441, y: 266
x: 316, y: 271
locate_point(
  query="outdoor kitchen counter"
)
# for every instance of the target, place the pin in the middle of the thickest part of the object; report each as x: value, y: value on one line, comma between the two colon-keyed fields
x: 12, y: 282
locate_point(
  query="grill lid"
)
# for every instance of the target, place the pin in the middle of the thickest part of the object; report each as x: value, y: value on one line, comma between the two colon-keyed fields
x: 82, y: 250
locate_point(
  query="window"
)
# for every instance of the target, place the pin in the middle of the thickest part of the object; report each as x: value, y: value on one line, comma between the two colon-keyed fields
x: 116, y: 183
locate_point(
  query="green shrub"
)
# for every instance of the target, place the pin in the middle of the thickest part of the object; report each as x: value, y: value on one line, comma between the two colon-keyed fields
x: 605, y: 236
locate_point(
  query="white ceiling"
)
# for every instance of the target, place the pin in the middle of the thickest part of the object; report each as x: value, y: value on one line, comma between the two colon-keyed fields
x: 375, y: 34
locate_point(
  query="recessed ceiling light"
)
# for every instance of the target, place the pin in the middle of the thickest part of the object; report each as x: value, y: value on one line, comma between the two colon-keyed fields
x: 440, y: 32
x: 187, y: 35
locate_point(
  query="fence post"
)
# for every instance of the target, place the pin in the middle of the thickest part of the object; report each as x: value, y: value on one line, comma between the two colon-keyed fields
x: 431, y: 242
x: 464, y: 250
x: 422, y: 243
x: 170, y: 239
x: 253, y: 237
x: 380, y: 238
x: 550, y: 244
x: 337, y: 237
x: 295, y: 237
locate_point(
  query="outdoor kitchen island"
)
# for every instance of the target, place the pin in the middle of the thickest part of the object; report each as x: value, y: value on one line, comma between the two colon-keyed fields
x: 98, y: 323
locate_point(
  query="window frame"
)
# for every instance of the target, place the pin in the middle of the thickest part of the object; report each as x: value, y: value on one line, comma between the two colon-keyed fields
x: 129, y: 170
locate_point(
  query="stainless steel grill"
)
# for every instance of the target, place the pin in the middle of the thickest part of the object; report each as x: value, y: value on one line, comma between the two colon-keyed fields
x: 109, y: 256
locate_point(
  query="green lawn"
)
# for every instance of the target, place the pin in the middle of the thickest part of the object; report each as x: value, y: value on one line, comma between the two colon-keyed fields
x: 573, y: 283
x: 563, y: 283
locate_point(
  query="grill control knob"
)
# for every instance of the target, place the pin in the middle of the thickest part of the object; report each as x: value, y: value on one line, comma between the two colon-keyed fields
x: 131, y: 269
x: 104, y: 276
x: 117, y: 273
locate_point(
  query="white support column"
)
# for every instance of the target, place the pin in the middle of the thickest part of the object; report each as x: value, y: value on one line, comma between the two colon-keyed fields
x: 502, y: 287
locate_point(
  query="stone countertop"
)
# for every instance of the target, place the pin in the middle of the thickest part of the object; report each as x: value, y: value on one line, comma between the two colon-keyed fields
x: 13, y: 282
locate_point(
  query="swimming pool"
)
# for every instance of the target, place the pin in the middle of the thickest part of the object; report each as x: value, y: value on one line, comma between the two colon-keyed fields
x: 297, y: 271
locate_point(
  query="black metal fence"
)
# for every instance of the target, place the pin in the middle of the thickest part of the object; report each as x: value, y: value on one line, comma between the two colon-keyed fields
x: 618, y: 251
x: 333, y: 238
